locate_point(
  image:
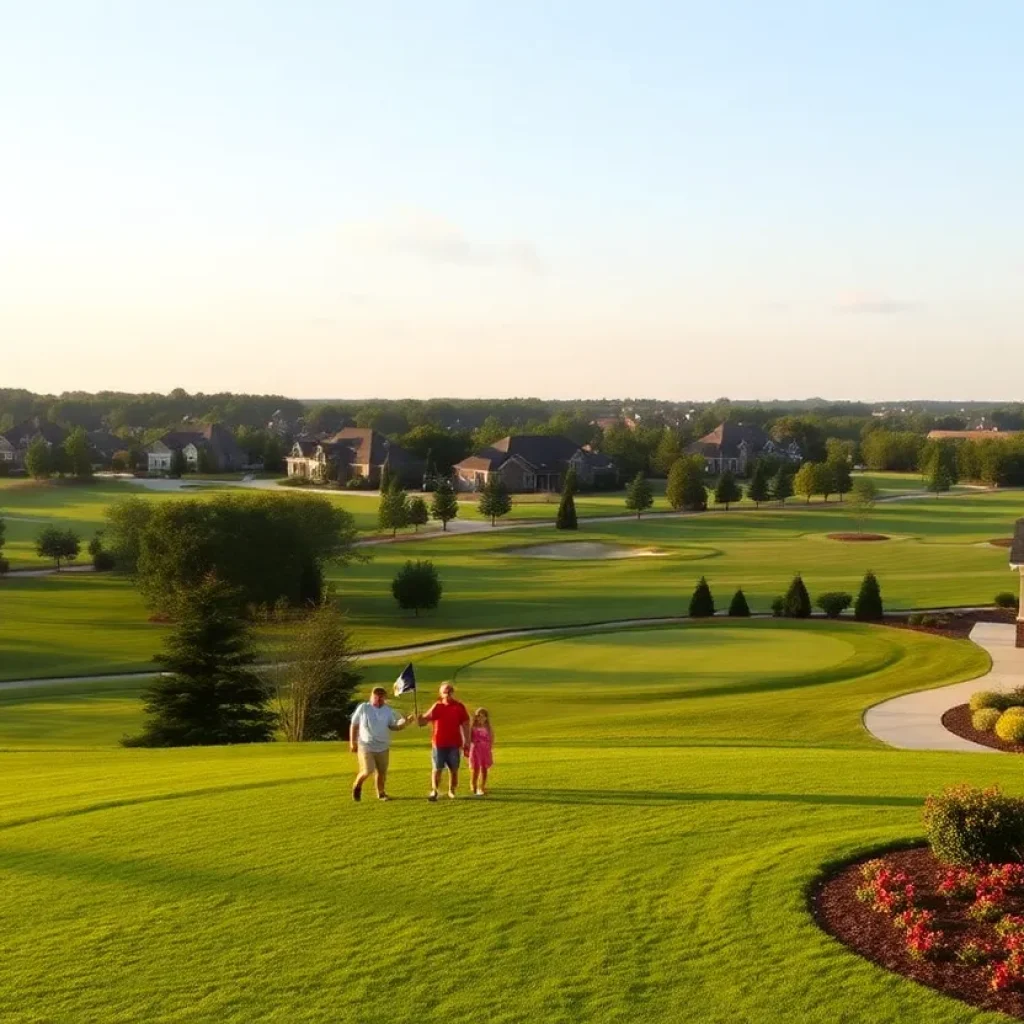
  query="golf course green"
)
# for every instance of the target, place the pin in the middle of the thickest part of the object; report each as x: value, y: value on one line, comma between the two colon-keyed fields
x: 661, y: 800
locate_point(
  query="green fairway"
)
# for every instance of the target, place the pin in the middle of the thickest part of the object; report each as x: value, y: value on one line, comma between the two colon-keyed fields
x: 937, y: 557
x: 661, y: 799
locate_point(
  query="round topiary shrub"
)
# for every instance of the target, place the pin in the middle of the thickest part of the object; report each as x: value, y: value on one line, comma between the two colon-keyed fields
x: 966, y: 825
x: 1010, y: 727
x: 985, y: 719
x: 988, y: 699
x: 1006, y: 599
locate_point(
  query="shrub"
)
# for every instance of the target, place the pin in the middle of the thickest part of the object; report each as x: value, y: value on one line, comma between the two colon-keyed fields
x: 778, y: 607
x: 985, y: 719
x: 834, y: 603
x: 1006, y: 599
x: 103, y: 561
x: 966, y: 825
x: 416, y: 586
x: 702, y: 604
x: 797, y: 600
x: 988, y: 699
x: 868, y: 606
x: 916, y: 619
x: 738, y: 607
x: 1010, y: 727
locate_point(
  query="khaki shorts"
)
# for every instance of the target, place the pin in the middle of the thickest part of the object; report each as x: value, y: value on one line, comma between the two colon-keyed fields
x: 373, y: 761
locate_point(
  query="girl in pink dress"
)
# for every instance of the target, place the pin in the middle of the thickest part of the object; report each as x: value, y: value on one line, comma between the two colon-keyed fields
x: 481, y: 740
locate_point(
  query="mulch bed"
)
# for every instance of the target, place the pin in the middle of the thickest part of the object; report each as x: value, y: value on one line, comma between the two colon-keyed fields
x: 871, y: 934
x: 958, y: 721
x: 1001, y: 542
x: 857, y: 536
x: 953, y: 624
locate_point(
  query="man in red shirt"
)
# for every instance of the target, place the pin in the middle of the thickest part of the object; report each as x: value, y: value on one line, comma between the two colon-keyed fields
x: 450, y: 738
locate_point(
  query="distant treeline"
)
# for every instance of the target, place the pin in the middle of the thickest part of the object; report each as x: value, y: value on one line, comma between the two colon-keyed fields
x: 643, y: 435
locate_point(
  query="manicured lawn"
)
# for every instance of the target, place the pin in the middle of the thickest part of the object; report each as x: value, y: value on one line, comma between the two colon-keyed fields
x: 661, y: 800
x: 85, y: 624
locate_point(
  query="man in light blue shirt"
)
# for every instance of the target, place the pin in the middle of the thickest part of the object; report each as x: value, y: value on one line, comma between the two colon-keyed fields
x: 373, y: 722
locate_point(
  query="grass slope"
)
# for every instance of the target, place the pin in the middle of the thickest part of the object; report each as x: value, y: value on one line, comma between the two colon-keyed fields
x: 662, y: 798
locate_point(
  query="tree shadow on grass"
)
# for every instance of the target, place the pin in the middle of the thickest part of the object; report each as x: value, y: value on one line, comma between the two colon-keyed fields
x: 640, y: 797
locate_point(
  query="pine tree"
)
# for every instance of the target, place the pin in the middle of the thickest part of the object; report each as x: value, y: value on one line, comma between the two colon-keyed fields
x: 695, y: 493
x: 566, y: 517
x: 639, y: 497
x: 727, y: 490
x: 797, y: 600
x: 178, y: 465
x: 758, y: 490
x: 674, y: 489
x: 385, y: 477
x: 417, y: 512
x: 702, y: 604
x: 667, y: 452
x: 494, y: 499
x: 393, y: 512
x: 211, y: 695
x: 738, y: 607
x: 444, y: 505
x: 782, y: 486
x: 868, y: 606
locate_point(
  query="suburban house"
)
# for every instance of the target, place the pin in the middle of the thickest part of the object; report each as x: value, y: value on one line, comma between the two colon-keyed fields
x: 732, y: 446
x: 353, y: 453
x: 212, y: 438
x: 15, y: 442
x: 105, y: 445
x: 1017, y: 563
x: 534, y: 462
x: 608, y: 422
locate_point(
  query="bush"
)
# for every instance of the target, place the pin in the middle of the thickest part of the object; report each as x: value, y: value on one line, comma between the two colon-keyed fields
x: 702, y: 604
x: 988, y: 699
x: 834, y: 603
x: 1010, y: 727
x: 778, y: 607
x: 103, y: 561
x: 738, y: 607
x: 966, y: 825
x: 985, y: 719
x: 868, y: 606
x: 797, y: 600
x: 1006, y: 599
x: 915, y: 619
x: 416, y: 586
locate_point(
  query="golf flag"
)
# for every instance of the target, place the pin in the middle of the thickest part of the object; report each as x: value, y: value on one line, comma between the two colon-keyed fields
x: 406, y: 682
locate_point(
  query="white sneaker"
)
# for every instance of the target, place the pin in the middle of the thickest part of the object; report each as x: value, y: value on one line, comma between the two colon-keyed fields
x: 478, y: 792
x: 451, y: 794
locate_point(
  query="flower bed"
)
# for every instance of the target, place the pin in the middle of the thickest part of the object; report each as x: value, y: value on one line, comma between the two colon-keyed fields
x: 857, y: 536
x: 958, y: 721
x: 959, y: 930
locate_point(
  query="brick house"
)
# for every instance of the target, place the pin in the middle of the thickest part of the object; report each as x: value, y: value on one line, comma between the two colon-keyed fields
x: 354, y: 453
x: 733, y: 446
x: 534, y: 462
x: 1017, y: 563
x: 216, y: 440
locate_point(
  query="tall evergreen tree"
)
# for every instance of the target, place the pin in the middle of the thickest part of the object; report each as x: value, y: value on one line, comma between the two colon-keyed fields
x: 211, y: 694
x: 385, y: 476
x: 667, y: 452
x: 393, y: 512
x: 675, y: 488
x: 639, y: 497
x: 178, y: 464
x: 495, y: 501
x: 727, y: 490
x: 738, y: 607
x: 868, y: 606
x: 444, y: 506
x: 702, y: 604
x: 797, y: 601
x: 78, y: 454
x: 782, y: 486
x: 417, y: 512
x: 759, y: 489
x: 695, y: 492
x: 566, y: 517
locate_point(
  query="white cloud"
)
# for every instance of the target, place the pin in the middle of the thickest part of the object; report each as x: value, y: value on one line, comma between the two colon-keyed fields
x: 871, y: 302
x: 437, y: 240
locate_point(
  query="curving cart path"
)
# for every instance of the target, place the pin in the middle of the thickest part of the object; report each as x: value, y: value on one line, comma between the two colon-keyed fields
x: 914, y: 721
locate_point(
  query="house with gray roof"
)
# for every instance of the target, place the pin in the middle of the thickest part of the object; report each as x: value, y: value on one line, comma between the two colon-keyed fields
x: 733, y: 447
x: 534, y: 462
x: 218, y: 444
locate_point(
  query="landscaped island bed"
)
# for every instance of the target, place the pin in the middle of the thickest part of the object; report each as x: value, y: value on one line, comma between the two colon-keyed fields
x: 964, y: 961
x: 958, y: 721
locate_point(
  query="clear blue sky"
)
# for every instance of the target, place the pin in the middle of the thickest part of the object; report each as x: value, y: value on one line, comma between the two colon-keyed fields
x: 677, y: 200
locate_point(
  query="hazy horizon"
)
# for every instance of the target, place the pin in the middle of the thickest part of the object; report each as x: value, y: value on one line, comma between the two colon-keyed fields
x: 677, y: 199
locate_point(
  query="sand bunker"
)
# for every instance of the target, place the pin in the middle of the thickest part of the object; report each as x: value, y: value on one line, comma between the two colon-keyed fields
x: 583, y: 549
